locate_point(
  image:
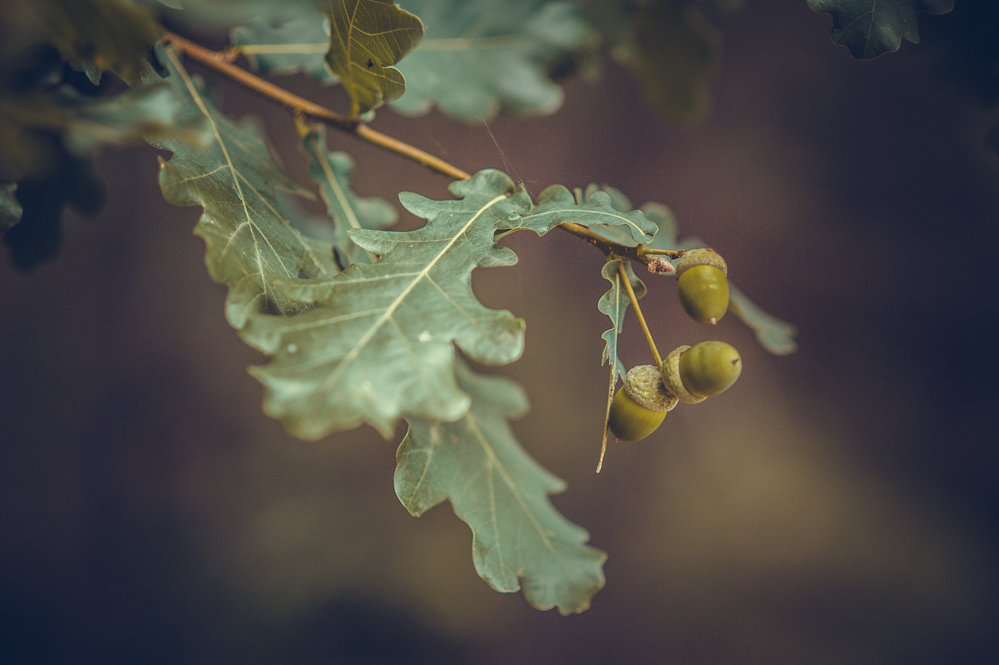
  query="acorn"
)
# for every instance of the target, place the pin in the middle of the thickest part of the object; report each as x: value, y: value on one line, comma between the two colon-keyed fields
x: 702, y: 285
x: 641, y: 405
x: 694, y: 373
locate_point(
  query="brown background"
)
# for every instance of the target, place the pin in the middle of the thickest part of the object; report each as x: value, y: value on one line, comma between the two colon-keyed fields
x: 834, y: 507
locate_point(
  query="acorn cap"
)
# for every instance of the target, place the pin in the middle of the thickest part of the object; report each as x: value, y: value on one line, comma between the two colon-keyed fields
x: 701, y: 256
x: 671, y: 377
x: 644, y: 385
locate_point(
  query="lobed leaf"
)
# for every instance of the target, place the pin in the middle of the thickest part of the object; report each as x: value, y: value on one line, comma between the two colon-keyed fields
x: 518, y: 538
x: 367, y: 37
x: 92, y: 35
x: 595, y: 209
x: 614, y: 303
x: 250, y: 238
x: 376, y: 342
x: 476, y: 57
x: 871, y: 27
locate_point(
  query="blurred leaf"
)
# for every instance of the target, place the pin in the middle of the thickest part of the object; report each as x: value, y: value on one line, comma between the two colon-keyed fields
x: 226, y: 13
x: 377, y: 341
x: 10, y: 209
x: 331, y: 171
x: 870, y: 27
x: 501, y: 493
x: 667, y: 44
x: 250, y: 239
x: 614, y: 303
x: 289, y: 44
x: 87, y: 124
x: 66, y: 181
x: 774, y: 335
x: 93, y: 35
x: 479, y: 56
x: 367, y: 37
x: 476, y: 57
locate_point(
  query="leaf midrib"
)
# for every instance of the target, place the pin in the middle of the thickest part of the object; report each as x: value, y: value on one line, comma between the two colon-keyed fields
x: 358, y: 347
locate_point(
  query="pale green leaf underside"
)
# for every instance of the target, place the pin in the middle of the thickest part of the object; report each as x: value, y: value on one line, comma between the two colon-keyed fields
x: 871, y: 27
x: 377, y: 340
x: 518, y: 538
x: 614, y: 303
x: 249, y: 236
x: 331, y: 172
x: 367, y: 37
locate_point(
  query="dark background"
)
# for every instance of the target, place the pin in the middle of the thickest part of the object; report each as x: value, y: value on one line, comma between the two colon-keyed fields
x: 834, y: 507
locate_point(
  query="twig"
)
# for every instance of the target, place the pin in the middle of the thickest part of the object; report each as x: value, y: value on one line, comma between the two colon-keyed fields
x: 299, y: 105
x: 641, y: 317
x: 221, y: 62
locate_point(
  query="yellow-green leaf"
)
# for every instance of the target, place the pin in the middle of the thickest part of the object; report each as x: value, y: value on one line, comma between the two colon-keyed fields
x: 367, y: 37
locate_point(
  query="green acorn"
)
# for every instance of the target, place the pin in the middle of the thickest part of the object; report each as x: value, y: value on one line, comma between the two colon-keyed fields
x: 702, y: 285
x: 641, y: 405
x: 694, y: 373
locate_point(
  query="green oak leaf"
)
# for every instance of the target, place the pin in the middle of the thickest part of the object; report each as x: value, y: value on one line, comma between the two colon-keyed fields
x: 595, y: 209
x: 250, y: 239
x: 366, y: 38
x: 476, y: 57
x: 480, y: 56
x: 614, y: 303
x: 331, y: 172
x: 518, y: 538
x: 669, y: 46
x: 376, y: 342
x: 871, y: 27
x: 774, y: 335
x: 10, y: 208
x: 92, y: 35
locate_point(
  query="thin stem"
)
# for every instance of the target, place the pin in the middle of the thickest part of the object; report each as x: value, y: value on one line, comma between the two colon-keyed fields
x: 610, y: 398
x: 220, y: 63
x: 641, y: 317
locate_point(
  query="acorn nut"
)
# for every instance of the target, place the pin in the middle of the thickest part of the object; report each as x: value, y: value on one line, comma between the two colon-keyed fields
x: 702, y: 285
x: 697, y: 372
x: 640, y: 406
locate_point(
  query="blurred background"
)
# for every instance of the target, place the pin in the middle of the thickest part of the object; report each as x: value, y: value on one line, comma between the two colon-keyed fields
x: 836, y: 506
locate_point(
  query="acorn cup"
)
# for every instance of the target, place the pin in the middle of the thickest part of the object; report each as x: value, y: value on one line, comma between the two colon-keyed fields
x: 641, y: 405
x: 694, y: 373
x: 702, y: 285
